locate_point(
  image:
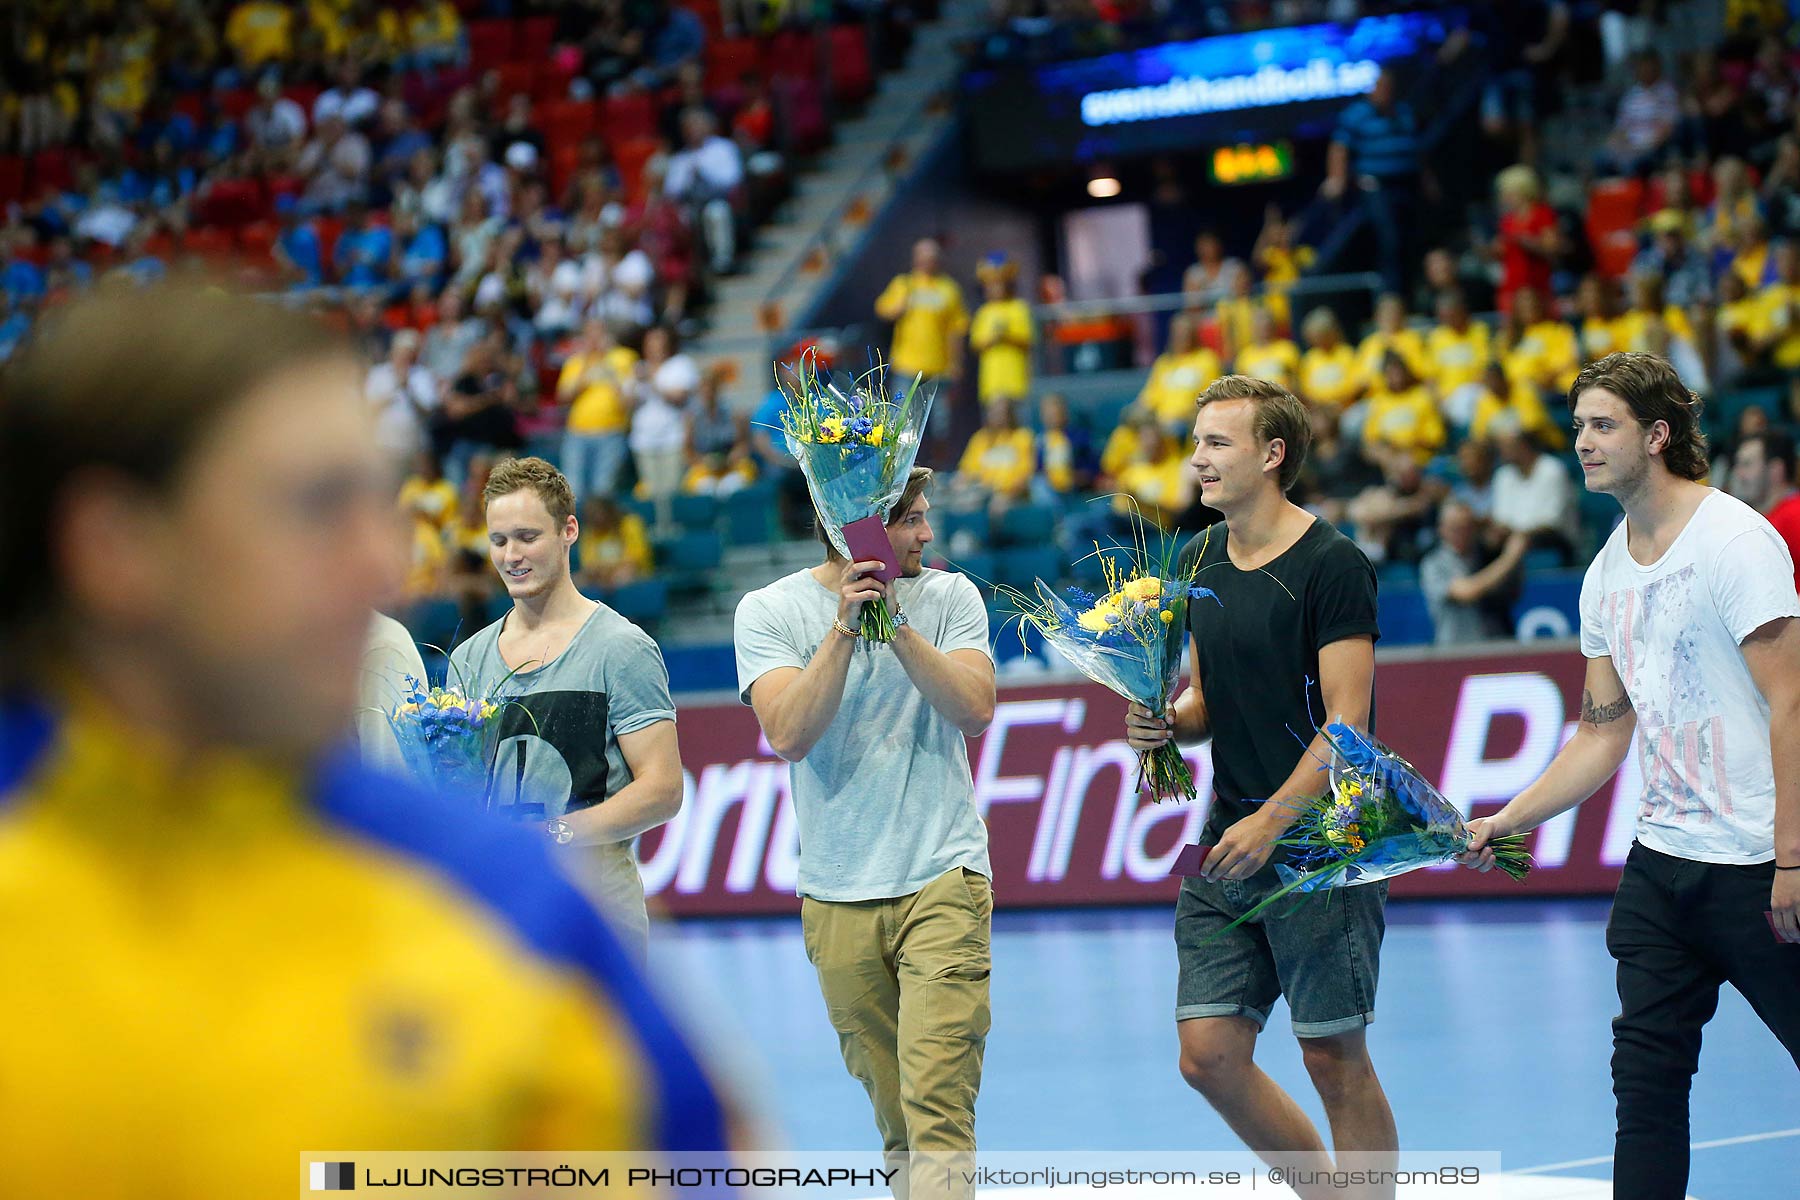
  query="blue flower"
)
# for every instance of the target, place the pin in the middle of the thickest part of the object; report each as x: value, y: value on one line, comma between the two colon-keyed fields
x: 1081, y: 600
x: 1195, y: 592
x: 861, y: 426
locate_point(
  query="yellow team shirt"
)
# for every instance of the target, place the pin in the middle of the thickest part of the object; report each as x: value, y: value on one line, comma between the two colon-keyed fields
x: 435, y: 500
x: 1751, y: 264
x: 1121, y: 451
x: 1160, y: 488
x: 1237, y: 315
x: 1457, y: 358
x: 1599, y: 338
x: 1058, y: 459
x: 705, y: 477
x: 1526, y: 405
x: 1175, y: 384
x: 260, y: 31
x: 628, y: 544
x: 927, y: 311
x: 1633, y: 329
x: 1277, y: 361
x: 1329, y: 377
x: 434, y: 26
x: 1406, y: 420
x: 425, y: 565
x: 1281, y: 266
x: 1374, y: 348
x: 1546, y: 355
x: 1005, y: 367
x: 600, y: 406
x: 1001, y: 460
x: 223, y: 961
x: 1777, y: 309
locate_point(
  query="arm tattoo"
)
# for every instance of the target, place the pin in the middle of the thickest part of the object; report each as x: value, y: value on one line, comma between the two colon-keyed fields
x: 1605, y: 713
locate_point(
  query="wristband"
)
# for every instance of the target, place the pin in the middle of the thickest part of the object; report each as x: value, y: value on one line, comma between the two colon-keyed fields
x: 1795, y: 867
x: 838, y: 624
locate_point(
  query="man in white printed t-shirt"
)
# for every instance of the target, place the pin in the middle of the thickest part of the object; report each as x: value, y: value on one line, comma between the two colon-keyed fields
x: 1688, y: 625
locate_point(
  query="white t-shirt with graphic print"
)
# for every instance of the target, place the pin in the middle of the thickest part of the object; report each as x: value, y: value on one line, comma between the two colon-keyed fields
x: 1673, y: 629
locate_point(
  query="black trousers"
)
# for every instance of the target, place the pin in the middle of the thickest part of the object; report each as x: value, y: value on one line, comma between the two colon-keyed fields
x: 1679, y: 929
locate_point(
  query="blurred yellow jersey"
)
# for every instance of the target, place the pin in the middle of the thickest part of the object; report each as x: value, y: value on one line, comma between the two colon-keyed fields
x: 214, y: 965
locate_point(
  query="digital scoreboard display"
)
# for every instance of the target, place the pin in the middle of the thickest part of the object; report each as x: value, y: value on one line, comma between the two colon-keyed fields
x: 1242, y: 88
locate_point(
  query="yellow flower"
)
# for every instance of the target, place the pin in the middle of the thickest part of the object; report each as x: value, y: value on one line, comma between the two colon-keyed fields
x: 831, y: 430
x: 1147, y: 588
x: 874, y: 437
x: 1168, y: 617
x: 1093, y: 620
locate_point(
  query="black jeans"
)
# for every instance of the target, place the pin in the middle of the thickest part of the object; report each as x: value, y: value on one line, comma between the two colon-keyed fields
x: 1679, y: 929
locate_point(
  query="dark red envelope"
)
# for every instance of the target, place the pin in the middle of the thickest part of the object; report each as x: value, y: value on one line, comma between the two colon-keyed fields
x: 868, y: 542
x: 1190, y: 860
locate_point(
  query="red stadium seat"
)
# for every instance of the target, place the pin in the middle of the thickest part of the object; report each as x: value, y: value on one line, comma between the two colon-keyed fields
x: 52, y: 170
x: 630, y: 157
x: 625, y: 118
x: 1614, y: 204
x: 238, y: 101
x: 1613, y: 253
x: 329, y: 229
x: 518, y: 78
x: 794, y: 54
x: 852, y: 71
x: 12, y: 178
x: 730, y: 59
x: 553, y: 82
x: 568, y: 120
x: 209, y: 242
x: 191, y: 105
x: 710, y: 17
x: 565, y: 158
x: 490, y: 43
x: 800, y: 109
x: 305, y: 95
x: 534, y: 37
x: 257, y: 241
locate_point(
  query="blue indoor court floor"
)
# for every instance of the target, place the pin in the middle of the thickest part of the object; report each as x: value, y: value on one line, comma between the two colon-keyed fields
x: 1491, y: 1034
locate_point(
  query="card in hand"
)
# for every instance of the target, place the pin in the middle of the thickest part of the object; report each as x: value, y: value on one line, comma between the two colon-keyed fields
x: 1190, y: 860
x: 868, y: 542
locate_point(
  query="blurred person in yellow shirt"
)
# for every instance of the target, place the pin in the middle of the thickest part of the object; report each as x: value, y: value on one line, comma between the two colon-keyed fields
x: 434, y: 33
x: 427, y: 493
x: 1267, y: 355
x: 1402, y: 415
x: 1392, y: 334
x: 1328, y: 368
x: 614, y: 545
x: 1236, y: 314
x: 926, y: 307
x: 1126, y: 446
x: 1179, y: 374
x: 1457, y: 347
x: 210, y: 905
x: 1598, y: 300
x: 1276, y: 256
x: 1510, y: 403
x: 1157, y: 477
x: 1000, y: 458
x: 1752, y: 257
x: 1001, y: 332
x: 1780, y: 309
x: 595, y: 385
x: 1648, y: 309
x: 1063, y: 465
x: 260, y: 31
x: 1536, y: 347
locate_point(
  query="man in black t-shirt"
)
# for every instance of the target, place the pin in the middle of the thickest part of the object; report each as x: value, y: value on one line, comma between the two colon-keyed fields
x: 1291, y: 647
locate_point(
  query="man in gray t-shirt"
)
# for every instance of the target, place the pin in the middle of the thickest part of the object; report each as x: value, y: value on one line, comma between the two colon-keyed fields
x: 587, y: 743
x: 894, y: 876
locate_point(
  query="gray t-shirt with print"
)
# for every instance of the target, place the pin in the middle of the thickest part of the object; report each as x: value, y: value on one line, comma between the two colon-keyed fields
x: 559, y: 748
x: 885, y: 801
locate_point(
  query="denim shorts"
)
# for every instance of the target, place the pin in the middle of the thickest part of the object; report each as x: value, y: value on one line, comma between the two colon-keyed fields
x: 1322, y: 951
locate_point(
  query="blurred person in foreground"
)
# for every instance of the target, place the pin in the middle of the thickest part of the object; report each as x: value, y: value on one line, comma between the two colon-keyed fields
x: 227, y: 943
x: 1688, y: 624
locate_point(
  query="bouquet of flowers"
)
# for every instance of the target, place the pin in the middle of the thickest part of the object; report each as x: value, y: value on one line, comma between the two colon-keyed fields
x: 856, y: 444
x: 1128, y: 639
x: 448, y: 735
x: 1378, y: 818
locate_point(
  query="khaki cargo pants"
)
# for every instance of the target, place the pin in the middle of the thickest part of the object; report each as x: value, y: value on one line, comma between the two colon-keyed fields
x: 905, y: 982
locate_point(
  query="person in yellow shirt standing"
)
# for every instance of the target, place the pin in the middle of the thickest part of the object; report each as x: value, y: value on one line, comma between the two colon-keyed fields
x: 1402, y: 414
x: 260, y: 31
x: 1328, y: 368
x: 1157, y: 478
x: 1537, y: 348
x: 926, y: 307
x: 999, y: 460
x: 1180, y: 374
x: 1265, y: 355
x: 1457, y: 348
x: 1001, y: 333
x: 594, y: 384
x: 1391, y: 335
x: 427, y: 492
x: 1780, y: 305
